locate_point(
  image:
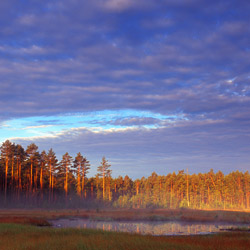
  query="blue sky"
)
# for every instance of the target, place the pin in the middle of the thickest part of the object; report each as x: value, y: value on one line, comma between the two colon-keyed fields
x: 152, y: 85
x: 41, y: 127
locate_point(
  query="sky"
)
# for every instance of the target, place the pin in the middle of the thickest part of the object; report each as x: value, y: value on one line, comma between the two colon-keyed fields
x: 152, y: 85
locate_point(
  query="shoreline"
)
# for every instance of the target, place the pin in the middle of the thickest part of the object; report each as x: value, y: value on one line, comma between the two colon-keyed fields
x: 40, y: 216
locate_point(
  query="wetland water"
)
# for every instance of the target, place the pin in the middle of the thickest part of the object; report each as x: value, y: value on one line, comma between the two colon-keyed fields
x: 145, y: 227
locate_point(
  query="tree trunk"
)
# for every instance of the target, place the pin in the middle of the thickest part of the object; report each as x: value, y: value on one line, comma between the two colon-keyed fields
x: 66, y: 181
x: 31, y: 175
x: 187, y: 189
x: 103, y: 185
x: 50, y: 175
x: 41, y: 178
x: 79, y: 190
x: 92, y: 190
x: 12, y: 171
x: 19, y: 177
x: 137, y: 187
x: 6, y: 176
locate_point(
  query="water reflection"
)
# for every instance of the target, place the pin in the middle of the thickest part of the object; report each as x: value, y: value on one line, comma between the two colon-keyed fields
x: 144, y: 227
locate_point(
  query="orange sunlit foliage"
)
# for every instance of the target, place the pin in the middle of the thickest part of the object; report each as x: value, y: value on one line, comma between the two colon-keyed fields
x: 35, y: 176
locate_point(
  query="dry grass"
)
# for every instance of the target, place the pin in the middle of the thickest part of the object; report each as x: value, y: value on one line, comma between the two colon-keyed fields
x: 20, y: 237
x: 24, y: 220
x: 129, y: 214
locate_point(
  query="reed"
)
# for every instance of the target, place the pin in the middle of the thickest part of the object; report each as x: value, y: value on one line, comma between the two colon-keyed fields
x: 20, y: 237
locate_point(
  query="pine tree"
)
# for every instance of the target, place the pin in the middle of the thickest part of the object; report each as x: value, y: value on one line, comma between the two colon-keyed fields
x: 52, y: 163
x: 104, y: 172
x: 81, y: 167
x: 43, y: 161
x: 64, y: 170
x: 247, y: 189
x: 20, y: 158
x: 33, y: 156
x: 6, y: 152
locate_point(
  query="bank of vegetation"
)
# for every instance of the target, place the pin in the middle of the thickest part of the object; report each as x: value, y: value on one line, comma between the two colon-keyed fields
x: 41, y: 217
x: 13, y: 236
x: 32, y: 178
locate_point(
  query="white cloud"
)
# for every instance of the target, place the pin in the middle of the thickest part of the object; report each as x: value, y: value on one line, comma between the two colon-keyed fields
x: 118, y: 5
x: 29, y: 19
x: 231, y: 81
x: 39, y: 126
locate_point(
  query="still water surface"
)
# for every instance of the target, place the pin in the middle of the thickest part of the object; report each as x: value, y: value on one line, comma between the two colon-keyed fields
x: 144, y: 227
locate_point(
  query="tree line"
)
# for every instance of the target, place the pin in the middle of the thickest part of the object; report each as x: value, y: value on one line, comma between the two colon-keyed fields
x: 30, y: 176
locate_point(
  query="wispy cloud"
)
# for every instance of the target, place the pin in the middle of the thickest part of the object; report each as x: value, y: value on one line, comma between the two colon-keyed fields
x: 186, y: 63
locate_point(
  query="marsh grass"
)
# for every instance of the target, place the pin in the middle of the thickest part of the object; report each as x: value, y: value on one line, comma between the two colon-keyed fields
x: 25, y: 220
x: 20, y: 237
x: 130, y: 215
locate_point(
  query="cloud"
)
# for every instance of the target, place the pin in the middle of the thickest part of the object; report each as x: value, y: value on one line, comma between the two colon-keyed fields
x: 193, y: 144
x: 39, y: 126
x: 131, y: 121
x: 119, y: 4
x: 32, y: 50
x: 168, y: 57
x: 124, y: 5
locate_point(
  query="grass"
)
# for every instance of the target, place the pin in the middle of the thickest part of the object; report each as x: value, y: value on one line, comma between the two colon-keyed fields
x: 25, y: 237
x: 25, y: 220
x: 19, y: 231
x: 132, y: 215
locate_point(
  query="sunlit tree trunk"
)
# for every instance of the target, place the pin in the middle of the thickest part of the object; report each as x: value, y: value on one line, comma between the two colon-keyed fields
x: 65, y: 164
x: 31, y: 175
x: 50, y: 175
x: 35, y: 178
x: 41, y: 177
x: 103, y: 184
x: 171, y: 194
x: 66, y: 181
x: 109, y: 188
x: 187, y: 190
x: 92, y: 190
x: 137, y: 187
x: 208, y: 195
x: 79, y: 188
x: 17, y: 173
x: 110, y: 193
x: 83, y: 180
x: 103, y: 170
x: 52, y: 187
x: 81, y: 167
x: 6, y: 175
x: 50, y: 180
x: 19, y: 177
x: 248, y: 200
x: 7, y: 150
x: 12, y: 170
x: 33, y: 154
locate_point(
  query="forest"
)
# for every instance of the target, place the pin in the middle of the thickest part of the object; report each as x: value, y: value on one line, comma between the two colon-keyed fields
x: 38, y: 179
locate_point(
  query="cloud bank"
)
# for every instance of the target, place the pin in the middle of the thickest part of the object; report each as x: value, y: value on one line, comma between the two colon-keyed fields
x: 188, y: 58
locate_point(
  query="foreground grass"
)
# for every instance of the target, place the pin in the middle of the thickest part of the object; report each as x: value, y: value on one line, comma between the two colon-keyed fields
x: 22, y: 237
